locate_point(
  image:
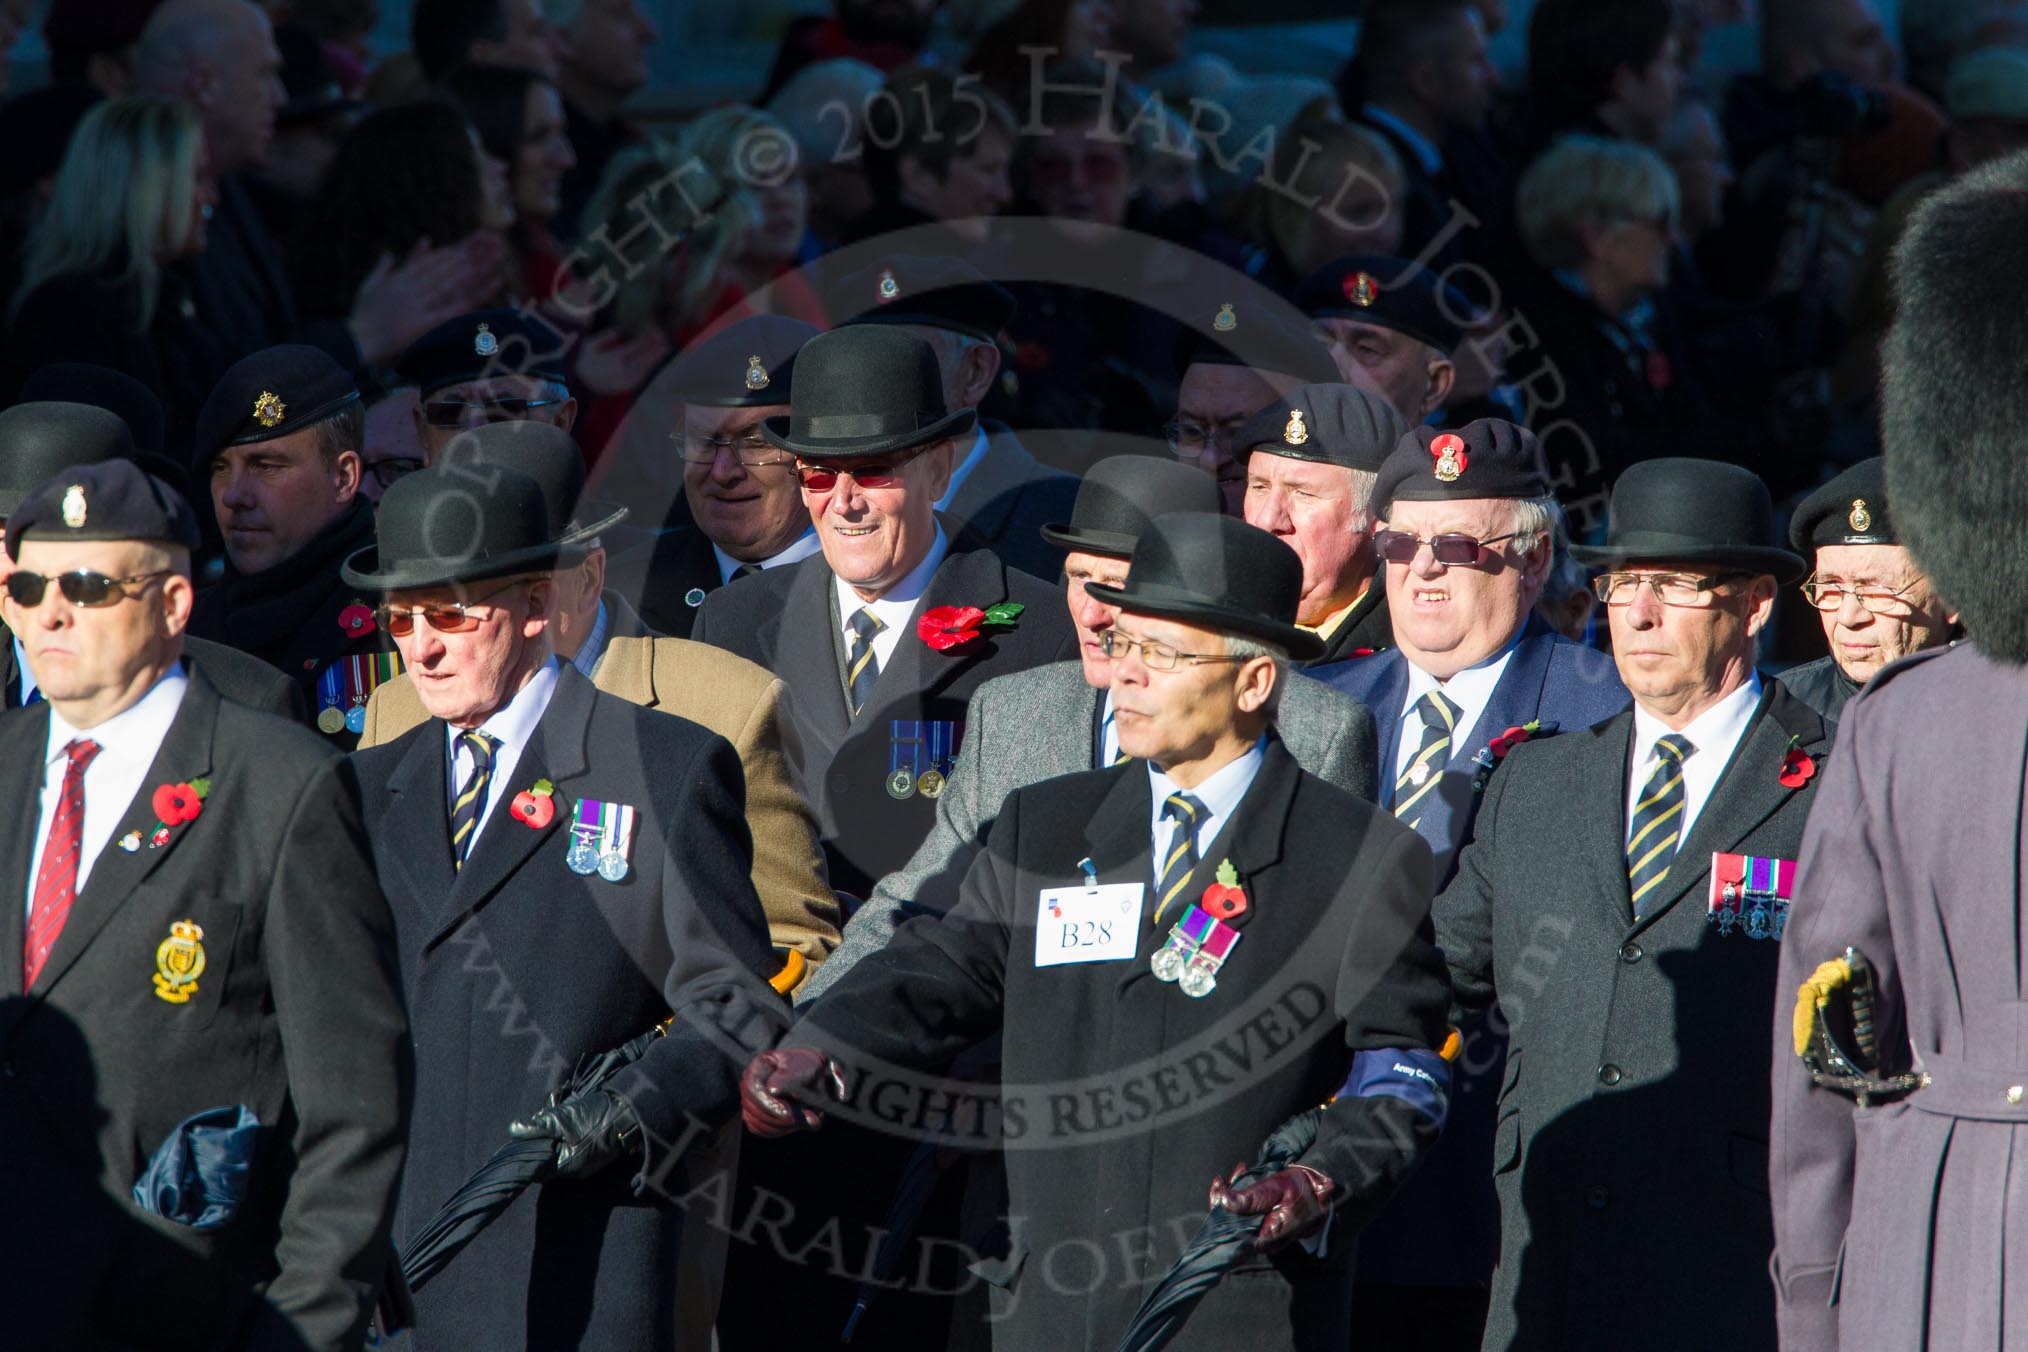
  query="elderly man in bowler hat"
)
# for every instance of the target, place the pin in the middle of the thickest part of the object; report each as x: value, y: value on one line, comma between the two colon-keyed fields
x: 194, y: 898
x: 1876, y: 603
x: 599, y: 634
x: 1466, y: 541
x: 1623, y: 898
x: 1213, y: 849
x: 550, y: 848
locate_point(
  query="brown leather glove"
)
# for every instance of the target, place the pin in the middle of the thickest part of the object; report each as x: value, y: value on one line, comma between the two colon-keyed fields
x: 1296, y: 1201
x: 779, y: 1087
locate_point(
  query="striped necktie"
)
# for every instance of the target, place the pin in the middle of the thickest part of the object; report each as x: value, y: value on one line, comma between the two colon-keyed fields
x: 471, y: 801
x: 1658, y: 820
x: 861, y: 670
x: 1426, y: 767
x: 1186, y: 810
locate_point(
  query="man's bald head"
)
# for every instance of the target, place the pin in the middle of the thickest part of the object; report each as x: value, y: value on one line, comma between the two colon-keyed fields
x: 1800, y: 38
x: 220, y: 57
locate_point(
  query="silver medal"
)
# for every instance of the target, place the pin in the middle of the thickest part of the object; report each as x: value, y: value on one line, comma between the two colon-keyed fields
x: 1197, y: 980
x: 583, y: 857
x: 1167, y: 964
x: 612, y: 866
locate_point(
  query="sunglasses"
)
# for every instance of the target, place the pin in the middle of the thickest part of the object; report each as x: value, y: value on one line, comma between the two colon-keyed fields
x: 456, y: 412
x: 81, y: 588
x: 1453, y: 551
x: 824, y: 478
x: 446, y: 617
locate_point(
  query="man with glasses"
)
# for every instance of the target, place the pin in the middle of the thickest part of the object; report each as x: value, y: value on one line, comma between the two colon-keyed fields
x: 391, y: 447
x: 498, y: 365
x: 1391, y: 326
x: 193, y: 899
x: 1122, y: 920
x: 567, y: 870
x: 742, y: 509
x: 1467, y: 538
x: 1237, y: 361
x: 278, y: 450
x: 1623, y: 899
x: 1875, y: 601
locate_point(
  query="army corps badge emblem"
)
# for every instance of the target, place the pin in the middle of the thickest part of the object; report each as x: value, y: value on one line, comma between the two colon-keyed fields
x: 756, y: 375
x: 268, y: 410
x: 73, y: 507
x: 1860, y: 519
x: 179, y: 961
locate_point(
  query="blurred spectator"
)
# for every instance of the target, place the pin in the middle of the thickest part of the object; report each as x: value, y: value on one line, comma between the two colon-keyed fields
x: 308, y: 130
x: 520, y: 121
x: 35, y: 128
x: 392, y: 447
x: 405, y: 176
x: 1935, y: 33
x: 995, y: 31
x: 882, y: 33
x: 1154, y: 33
x: 935, y: 151
x: 1695, y: 149
x: 1251, y: 117
x: 602, y: 62
x: 834, y: 179
x: 446, y: 34
x: 343, y: 30
x: 1605, y: 67
x: 752, y: 235
x: 101, y: 282
x: 1800, y: 42
x: 1335, y: 189
x: 1695, y: 18
x: 91, y: 42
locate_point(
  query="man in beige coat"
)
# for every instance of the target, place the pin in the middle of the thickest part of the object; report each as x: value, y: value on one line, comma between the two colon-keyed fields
x: 603, y: 637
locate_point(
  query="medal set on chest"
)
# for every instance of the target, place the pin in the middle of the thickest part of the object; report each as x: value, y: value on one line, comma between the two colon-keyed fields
x: 920, y: 756
x: 1199, y: 943
x: 1750, y: 895
x: 601, y: 838
x: 345, y: 686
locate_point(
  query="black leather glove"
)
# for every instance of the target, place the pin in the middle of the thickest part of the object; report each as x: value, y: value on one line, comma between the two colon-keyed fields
x: 591, y: 1130
x: 778, y: 1087
x: 1296, y: 1201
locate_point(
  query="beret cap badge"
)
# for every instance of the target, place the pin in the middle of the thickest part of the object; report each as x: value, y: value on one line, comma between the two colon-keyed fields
x: 1225, y: 321
x: 73, y: 508
x: 756, y: 375
x: 1860, y: 519
x: 484, y: 343
x: 269, y: 410
x: 888, y: 288
x: 1449, y: 450
x: 1295, y: 434
x: 1361, y: 289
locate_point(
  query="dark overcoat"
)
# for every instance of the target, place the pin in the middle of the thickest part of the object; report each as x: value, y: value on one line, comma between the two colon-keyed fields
x: 786, y: 619
x: 515, y: 967
x: 1630, y: 1151
x: 1121, y: 1096
x: 296, y: 1014
x: 1008, y: 498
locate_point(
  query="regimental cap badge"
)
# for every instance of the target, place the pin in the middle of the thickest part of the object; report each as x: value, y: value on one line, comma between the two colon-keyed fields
x: 1860, y: 519
x: 269, y: 410
x: 1361, y: 289
x: 179, y: 961
x: 1449, y: 450
x: 74, y: 506
x: 1295, y: 434
x: 1226, y: 321
x: 484, y: 343
x: 757, y: 377
x: 888, y: 288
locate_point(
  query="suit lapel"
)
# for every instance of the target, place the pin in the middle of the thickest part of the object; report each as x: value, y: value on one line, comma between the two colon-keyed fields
x: 1599, y: 803
x: 1518, y: 696
x: 806, y: 652
x: 22, y: 744
x: 1388, y: 692
x: 418, y: 825
x: 994, y: 485
x: 918, y: 672
x: 10, y: 682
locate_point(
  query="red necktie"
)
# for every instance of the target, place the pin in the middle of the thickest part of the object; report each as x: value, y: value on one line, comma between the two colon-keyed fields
x: 56, y: 880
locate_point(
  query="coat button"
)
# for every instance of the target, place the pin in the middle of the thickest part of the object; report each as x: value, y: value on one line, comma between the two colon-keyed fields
x: 1609, y: 1074
x: 2014, y: 1094
x: 1596, y: 1196
x: 1630, y: 952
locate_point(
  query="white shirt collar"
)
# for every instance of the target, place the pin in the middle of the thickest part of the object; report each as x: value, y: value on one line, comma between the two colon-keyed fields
x: 21, y: 668
x: 1220, y: 793
x: 802, y: 547
x: 1713, y: 735
x: 1471, y: 690
x: 963, y: 469
x: 140, y: 726
x: 898, y: 601
x: 512, y: 727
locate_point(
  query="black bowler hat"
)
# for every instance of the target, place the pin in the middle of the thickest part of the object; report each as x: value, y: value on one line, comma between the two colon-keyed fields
x: 1696, y: 511
x: 1263, y: 337
x: 47, y: 437
x: 77, y: 382
x: 1218, y: 573
x: 745, y: 365
x: 270, y: 394
x: 455, y: 523
x: 1849, y: 510
x: 934, y: 291
x: 1488, y: 458
x: 1122, y: 495
x: 485, y: 343
x: 110, y: 500
x: 549, y: 456
x: 1333, y: 424
x: 1388, y: 293
x: 865, y: 390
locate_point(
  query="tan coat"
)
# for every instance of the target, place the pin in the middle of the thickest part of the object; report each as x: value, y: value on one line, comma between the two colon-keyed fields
x: 740, y: 702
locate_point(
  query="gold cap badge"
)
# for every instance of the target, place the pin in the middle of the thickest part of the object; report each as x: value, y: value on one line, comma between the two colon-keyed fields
x: 1361, y: 289
x: 756, y: 374
x: 269, y: 410
x: 484, y: 343
x: 179, y: 961
x: 1295, y: 434
x: 1860, y: 519
x: 74, y: 506
x: 1449, y: 450
x: 888, y: 288
x: 1226, y: 321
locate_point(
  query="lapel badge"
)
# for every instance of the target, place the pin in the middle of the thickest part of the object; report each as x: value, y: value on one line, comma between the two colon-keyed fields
x: 757, y: 377
x: 694, y: 597
x: 1226, y: 321
x: 1418, y: 773
x: 1295, y: 434
x: 131, y: 842
x: 1361, y: 289
x: 1449, y: 450
x: 179, y: 961
x: 534, y: 807
x: 1860, y: 519
x: 73, y: 506
x: 888, y: 288
x: 269, y: 410
x: 484, y: 344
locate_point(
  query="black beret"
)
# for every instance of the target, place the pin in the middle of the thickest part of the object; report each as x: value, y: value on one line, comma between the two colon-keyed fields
x: 1263, y: 337
x: 45, y: 438
x: 743, y: 365
x: 1333, y: 424
x: 111, y: 500
x: 77, y: 382
x: 935, y: 291
x: 270, y: 394
x: 1490, y: 458
x: 479, y: 345
x: 1849, y: 510
x: 1389, y: 293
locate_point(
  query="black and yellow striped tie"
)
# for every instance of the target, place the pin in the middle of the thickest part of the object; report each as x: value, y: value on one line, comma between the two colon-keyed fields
x: 1658, y: 820
x: 861, y: 671
x: 1186, y: 810
x: 1439, y: 722
x: 471, y: 801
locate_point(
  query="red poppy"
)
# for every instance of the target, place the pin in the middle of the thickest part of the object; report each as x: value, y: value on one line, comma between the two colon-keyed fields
x: 176, y: 804
x: 945, y: 627
x: 1031, y: 356
x: 1225, y: 898
x: 356, y: 619
x: 533, y: 810
x: 1797, y: 768
x: 1507, y: 741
